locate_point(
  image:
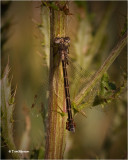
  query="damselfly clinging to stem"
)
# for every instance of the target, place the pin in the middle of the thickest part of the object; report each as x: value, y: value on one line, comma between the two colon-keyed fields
x: 63, y: 51
x: 79, y: 79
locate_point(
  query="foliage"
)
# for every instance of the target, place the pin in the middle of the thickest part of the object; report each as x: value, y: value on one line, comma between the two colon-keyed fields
x: 7, y: 109
x: 108, y: 91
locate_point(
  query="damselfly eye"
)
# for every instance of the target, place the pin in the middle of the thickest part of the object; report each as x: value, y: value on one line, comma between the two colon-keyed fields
x: 67, y: 39
x: 57, y: 40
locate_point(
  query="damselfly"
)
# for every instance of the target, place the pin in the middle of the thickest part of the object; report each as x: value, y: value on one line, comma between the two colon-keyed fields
x: 100, y: 94
x: 63, y: 51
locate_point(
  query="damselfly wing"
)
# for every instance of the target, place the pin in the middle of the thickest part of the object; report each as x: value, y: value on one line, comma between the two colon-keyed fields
x: 78, y: 78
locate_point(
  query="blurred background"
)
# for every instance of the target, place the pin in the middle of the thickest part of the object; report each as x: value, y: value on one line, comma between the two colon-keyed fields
x: 94, y: 27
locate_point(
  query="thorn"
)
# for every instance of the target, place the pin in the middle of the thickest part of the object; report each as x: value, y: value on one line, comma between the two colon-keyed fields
x: 83, y: 113
x: 38, y: 53
x: 11, y: 79
x: 35, y: 22
x: 15, y: 91
x: 60, y: 108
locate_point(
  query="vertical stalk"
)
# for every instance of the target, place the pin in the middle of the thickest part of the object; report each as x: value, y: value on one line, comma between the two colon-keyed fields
x: 55, y: 141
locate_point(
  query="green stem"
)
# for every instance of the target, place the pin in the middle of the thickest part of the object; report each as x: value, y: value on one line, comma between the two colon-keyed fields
x: 55, y: 141
x: 113, y: 55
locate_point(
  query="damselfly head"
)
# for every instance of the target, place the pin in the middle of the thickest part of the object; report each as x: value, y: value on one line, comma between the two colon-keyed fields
x: 65, y: 40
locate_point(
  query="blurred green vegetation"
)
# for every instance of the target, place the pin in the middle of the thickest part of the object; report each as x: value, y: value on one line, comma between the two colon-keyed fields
x: 94, y: 27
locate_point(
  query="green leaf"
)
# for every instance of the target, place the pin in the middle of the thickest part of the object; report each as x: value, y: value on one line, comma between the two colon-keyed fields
x: 107, y: 87
x: 108, y: 91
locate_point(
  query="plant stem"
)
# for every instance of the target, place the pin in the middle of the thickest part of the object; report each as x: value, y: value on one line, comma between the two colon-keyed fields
x: 113, y: 55
x: 55, y: 141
